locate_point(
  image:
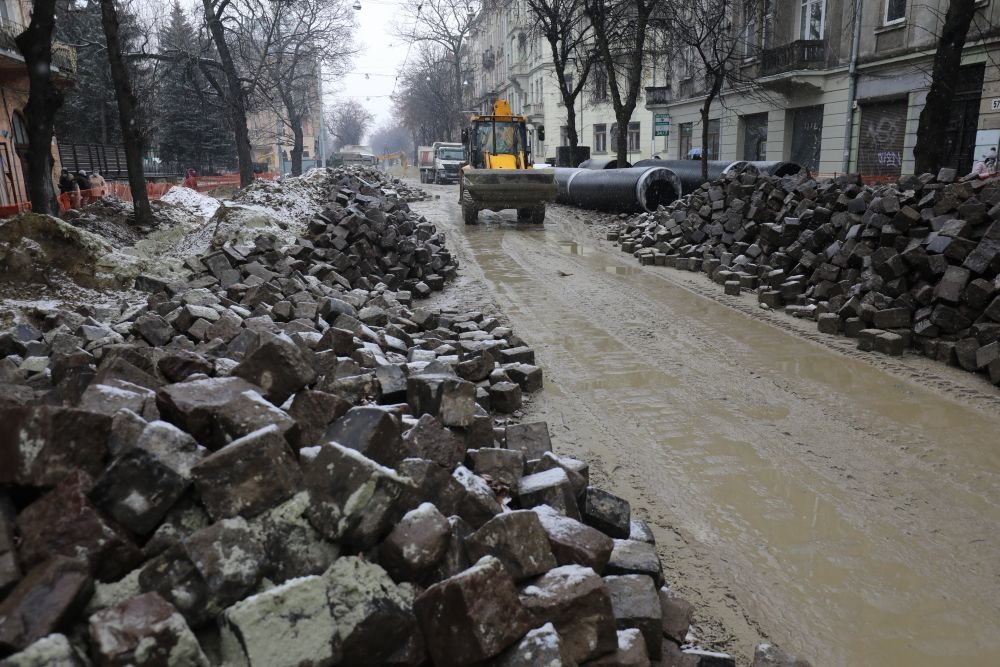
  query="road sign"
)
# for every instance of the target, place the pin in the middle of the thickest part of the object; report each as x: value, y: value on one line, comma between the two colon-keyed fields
x: 661, y: 125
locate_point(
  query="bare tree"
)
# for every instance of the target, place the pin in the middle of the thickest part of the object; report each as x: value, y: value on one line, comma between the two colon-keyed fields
x: 424, y: 100
x: 311, y: 39
x: 44, y: 100
x: 128, y: 114
x: 710, y: 45
x: 620, y: 30
x: 564, y: 25
x: 349, y: 121
x: 242, y: 31
x: 929, y: 151
x: 447, y: 24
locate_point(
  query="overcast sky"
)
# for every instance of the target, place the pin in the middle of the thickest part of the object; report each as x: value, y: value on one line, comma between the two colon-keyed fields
x: 381, y: 56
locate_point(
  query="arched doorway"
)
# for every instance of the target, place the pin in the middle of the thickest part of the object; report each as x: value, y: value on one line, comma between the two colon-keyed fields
x: 20, y: 131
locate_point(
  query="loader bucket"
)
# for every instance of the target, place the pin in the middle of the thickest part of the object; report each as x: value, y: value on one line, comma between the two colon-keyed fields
x: 499, y: 189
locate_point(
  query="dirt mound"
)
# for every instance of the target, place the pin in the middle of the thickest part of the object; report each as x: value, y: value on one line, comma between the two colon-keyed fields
x: 37, y: 248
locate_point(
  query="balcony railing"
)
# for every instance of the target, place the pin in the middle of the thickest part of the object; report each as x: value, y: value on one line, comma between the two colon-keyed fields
x: 801, y: 54
x: 659, y: 95
x: 63, y: 56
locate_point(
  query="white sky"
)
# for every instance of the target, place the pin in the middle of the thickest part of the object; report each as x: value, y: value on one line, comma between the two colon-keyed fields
x: 381, y: 57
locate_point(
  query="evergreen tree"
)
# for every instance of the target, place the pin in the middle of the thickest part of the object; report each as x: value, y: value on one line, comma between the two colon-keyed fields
x: 193, y: 128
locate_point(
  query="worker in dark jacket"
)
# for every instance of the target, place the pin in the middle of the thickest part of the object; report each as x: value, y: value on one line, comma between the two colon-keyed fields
x: 69, y: 185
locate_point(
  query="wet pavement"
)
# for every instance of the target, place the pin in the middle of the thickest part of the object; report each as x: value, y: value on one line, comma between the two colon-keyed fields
x: 842, y: 505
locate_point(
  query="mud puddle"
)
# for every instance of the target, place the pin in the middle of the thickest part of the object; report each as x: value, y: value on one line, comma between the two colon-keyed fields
x: 851, y: 514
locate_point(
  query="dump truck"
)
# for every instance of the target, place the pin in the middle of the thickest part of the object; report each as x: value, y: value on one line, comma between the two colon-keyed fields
x: 440, y: 162
x: 499, y: 173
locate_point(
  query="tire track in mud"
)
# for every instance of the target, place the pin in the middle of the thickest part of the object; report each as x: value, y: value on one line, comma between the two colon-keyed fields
x: 776, y: 474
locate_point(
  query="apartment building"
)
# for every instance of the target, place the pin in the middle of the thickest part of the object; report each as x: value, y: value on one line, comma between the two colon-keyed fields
x: 799, y: 53
x: 511, y: 61
x: 14, y: 16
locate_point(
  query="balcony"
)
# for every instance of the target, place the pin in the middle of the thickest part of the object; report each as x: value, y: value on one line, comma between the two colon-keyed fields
x: 804, y: 54
x: 658, y: 95
x: 535, y: 109
x: 63, y: 56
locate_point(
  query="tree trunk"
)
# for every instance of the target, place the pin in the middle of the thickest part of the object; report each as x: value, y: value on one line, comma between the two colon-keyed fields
x: 929, y: 150
x: 622, y: 118
x: 237, y: 97
x: 571, y: 135
x: 297, y: 146
x: 44, y: 99
x: 127, y: 115
x: 704, y: 139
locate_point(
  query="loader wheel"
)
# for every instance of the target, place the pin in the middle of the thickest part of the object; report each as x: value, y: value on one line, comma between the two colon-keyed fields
x: 538, y: 214
x: 469, y: 211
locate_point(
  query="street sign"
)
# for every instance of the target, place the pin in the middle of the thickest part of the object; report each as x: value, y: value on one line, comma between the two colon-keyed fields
x: 661, y: 125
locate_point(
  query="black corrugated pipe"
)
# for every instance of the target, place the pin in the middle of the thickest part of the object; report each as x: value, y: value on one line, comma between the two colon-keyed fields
x: 603, y: 163
x: 622, y: 190
x: 689, y: 171
x: 563, y: 176
x: 777, y: 168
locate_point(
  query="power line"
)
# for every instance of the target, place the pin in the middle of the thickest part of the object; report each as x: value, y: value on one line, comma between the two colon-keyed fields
x: 408, y: 47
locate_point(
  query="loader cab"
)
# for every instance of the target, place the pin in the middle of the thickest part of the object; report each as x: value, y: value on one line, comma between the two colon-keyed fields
x: 498, y: 141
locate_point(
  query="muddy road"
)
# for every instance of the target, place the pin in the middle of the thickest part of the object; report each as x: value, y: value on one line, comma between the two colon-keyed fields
x: 843, y: 505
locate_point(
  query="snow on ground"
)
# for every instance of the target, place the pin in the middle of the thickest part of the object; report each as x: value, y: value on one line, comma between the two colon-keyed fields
x: 193, y: 201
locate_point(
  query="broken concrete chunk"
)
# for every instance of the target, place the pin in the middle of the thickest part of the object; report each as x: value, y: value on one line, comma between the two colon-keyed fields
x: 145, y: 631
x: 278, y: 366
x: 416, y: 544
x: 247, y: 476
x: 530, y: 439
x: 292, y: 547
x: 429, y: 439
x: 194, y: 406
x: 142, y: 484
x: 372, y: 614
x: 478, y: 503
x: 576, y: 601
x: 352, y: 498
x: 631, y: 652
x: 314, y: 411
x: 504, y: 465
x: 607, y: 512
x: 551, y: 488
x: 574, y: 542
x: 373, y: 431
x: 677, y: 615
x: 472, y: 616
x: 636, y: 604
x: 40, y: 445
x: 229, y: 559
x: 44, y: 602
x: 540, y: 647
x: 505, y: 397
x: 51, y: 651
x: 290, y: 625
x: 631, y: 557
x: 518, y: 540
x: 769, y: 655
x: 64, y: 522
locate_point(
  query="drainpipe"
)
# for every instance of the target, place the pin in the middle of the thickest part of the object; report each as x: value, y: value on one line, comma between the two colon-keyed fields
x: 852, y: 87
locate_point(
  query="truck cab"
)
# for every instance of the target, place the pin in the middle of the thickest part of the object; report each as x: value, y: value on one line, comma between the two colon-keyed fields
x: 448, y: 158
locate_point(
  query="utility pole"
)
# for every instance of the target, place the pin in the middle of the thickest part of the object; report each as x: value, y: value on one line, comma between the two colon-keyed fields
x: 322, y: 126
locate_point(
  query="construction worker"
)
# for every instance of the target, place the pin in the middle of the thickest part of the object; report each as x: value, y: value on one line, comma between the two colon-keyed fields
x: 68, y: 185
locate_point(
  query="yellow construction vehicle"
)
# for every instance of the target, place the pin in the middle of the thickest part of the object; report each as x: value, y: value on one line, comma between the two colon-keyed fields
x: 499, y: 173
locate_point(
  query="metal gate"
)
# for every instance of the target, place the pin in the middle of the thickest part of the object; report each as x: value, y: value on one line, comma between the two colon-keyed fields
x: 755, y: 137
x: 960, y: 135
x: 880, y: 150
x: 807, y: 136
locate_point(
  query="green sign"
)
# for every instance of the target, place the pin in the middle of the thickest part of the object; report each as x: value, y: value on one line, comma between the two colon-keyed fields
x: 661, y: 125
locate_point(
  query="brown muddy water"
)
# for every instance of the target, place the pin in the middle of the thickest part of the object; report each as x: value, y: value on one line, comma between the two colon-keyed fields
x: 842, y: 505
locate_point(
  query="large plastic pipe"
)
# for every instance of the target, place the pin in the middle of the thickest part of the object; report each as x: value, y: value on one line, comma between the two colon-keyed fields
x: 603, y: 163
x: 689, y: 171
x: 563, y: 177
x: 623, y: 190
x: 777, y: 168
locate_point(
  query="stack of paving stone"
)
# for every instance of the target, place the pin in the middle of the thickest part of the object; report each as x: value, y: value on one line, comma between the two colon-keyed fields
x: 909, y: 265
x: 281, y: 463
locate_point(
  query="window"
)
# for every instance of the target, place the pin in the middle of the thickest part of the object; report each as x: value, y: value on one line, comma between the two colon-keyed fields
x: 751, y: 31
x: 564, y: 135
x: 684, y: 133
x: 714, y: 132
x: 634, y: 136
x: 599, y: 88
x: 600, y: 138
x: 811, y: 16
x: 895, y: 11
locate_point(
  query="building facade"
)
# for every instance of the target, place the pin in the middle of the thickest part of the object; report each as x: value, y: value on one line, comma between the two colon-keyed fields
x: 14, y: 16
x: 511, y: 61
x: 799, y: 53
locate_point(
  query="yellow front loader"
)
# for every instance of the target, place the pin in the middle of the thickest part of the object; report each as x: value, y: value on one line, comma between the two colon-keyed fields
x: 499, y: 174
